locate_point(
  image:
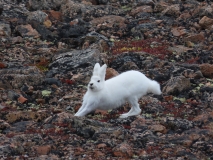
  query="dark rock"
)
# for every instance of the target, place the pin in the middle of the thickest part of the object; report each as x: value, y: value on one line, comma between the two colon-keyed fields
x: 18, y: 127
x: 144, y: 2
x: 144, y: 27
x: 27, y: 31
x: 44, y: 4
x: 51, y: 81
x: 207, y: 70
x: 86, y: 132
x: 176, y: 85
x: 102, y: 2
x: 206, y: 89
x: 77, y: 59
x: 5, y: 29
x: 43, y: 31
x: 178, y: 125
x: 123, y: 150
x: 5, y: 149
x: 172, y: 10
x: 74, y: 31
x: 94, y: 37
x: 13, y: 95
x: 19, y: 76
x: 38, y: 16
x: 1, y: 9
x: 120, y: 62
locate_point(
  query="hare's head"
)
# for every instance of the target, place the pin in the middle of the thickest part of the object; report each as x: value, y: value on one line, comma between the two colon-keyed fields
x: 98, y: 78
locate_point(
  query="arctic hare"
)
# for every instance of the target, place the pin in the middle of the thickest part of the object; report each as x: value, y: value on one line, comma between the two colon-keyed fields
x: 128, y: 86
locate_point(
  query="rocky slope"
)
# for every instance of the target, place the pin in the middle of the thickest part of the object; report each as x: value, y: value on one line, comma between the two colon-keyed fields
x: 48, y: 49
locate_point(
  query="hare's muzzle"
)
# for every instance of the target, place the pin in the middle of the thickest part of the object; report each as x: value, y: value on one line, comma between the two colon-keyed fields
x: 91, y: 85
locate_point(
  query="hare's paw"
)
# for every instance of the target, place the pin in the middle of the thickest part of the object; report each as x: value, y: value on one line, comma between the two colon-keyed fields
x: 132, y: 112
x: 123, y: 115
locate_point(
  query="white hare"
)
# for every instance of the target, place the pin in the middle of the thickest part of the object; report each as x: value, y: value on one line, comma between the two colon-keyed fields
x: 128, y: 86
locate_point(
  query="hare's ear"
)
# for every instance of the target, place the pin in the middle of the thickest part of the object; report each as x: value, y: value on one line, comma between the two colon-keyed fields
x: 102, y: 71
x: 96, y: 68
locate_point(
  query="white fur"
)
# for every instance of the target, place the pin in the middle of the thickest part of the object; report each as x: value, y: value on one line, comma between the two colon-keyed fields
x: 128, y: 86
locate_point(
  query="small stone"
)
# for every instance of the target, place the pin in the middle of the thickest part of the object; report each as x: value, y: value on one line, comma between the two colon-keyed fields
x: 27, y: 31
x: 173, y: 10
x: 43, y: 150
x: 47, y: 23
x: 196, y: 38
x: 110, y: 72
x: 176, y: 85
x: 184, y: 16
x: 5, y: 29
x: 40, y: 101
x: 206, y: 22
x: 38, y: 16
x: 158, y: 128
x: 194, y: 136
x: 189, y: 44
x: 3, y: 65
x: 187, y: 143
x: 140, y: 9
x: 55, y: 15
x: 191, y: 74
x: 3, y: 124
x: 207, y: 70
x: 101, y: 145
x: 158, y: 21
x: 1, y: 9
x: 17, y: 39
x: 22, y: 99
x: 98, y: 154
x: 178, y: 31
x: 123, y: 150
x: 111, y: 21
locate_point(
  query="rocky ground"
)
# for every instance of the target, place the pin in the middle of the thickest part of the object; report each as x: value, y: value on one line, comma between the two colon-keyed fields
x: 48, y: 49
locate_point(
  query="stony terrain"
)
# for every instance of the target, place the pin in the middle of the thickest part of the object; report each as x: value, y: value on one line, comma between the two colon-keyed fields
x: 47, y: 52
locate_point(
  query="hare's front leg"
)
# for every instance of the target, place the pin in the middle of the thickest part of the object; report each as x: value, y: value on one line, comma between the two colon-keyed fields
x: 83, y: 110
x: 134, y: 111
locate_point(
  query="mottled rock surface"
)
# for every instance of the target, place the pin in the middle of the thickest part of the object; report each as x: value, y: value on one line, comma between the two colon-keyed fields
x: 47, y: 52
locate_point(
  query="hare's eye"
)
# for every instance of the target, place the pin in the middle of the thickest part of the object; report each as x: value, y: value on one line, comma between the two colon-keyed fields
x: 98, y: 81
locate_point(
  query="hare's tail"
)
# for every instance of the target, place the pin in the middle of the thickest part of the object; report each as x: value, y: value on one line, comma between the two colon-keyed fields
x: 154, y: 87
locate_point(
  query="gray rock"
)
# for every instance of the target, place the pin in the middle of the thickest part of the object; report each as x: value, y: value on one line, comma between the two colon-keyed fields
x: 44, y: 4
x: 5, y: 149
x: 145, y: 27
x: 177, y: 124
x: 176, y: 85
x: 13, y: 95
x: 127, y: 61
x: 5, y: 29
x: 72, y: 9
x: 27, y: 31
x: 43, y: 31
x: 144, y: 2
x: 38, y: 16
x: 17, y: 77
x: 72, y: 61
x: 73, y: 31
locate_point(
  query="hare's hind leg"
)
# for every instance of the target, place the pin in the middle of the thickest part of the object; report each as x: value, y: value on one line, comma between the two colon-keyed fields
x: 134, y: 111
x: 83, y: 110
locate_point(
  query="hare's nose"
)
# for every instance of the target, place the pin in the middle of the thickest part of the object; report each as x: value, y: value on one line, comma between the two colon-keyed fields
x: 91, y: 84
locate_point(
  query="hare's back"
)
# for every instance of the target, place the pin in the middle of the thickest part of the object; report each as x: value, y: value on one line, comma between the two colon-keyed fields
x: 129, y: 78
